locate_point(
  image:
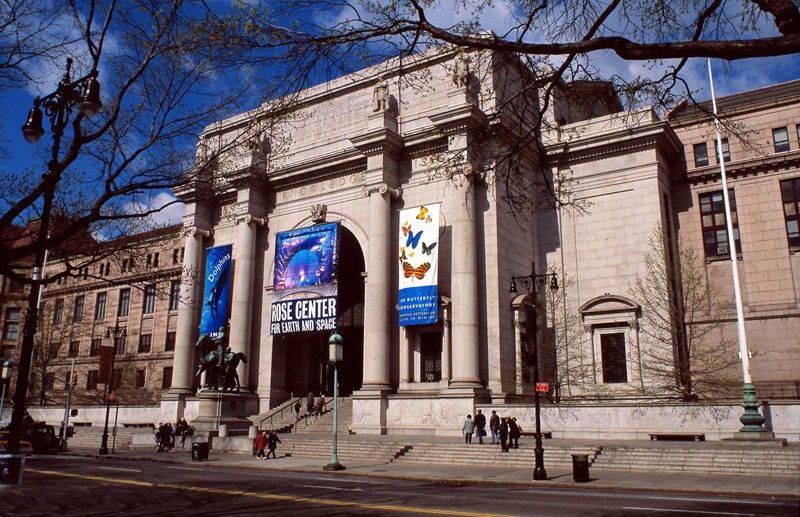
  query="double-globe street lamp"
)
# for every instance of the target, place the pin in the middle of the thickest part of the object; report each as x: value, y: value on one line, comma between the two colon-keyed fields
x: 107, y: 366
x: 532, y: 284
x: 83, y: 93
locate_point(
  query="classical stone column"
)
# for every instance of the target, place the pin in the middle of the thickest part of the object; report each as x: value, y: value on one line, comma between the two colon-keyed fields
x: 378, y: 296
x: 242, y: 303
x: 464, y: 281
x: 446, y: 344
x: 186, y: 332
x: 405, y: 356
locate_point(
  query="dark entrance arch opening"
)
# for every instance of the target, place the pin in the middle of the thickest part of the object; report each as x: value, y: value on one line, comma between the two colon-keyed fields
x: 307, y: 367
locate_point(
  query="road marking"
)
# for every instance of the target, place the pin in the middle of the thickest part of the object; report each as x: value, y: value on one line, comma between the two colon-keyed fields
x: 333, y: 488
x: 345, y: 480
x: 693, y: 512
x: 287, y: 498
x: 732, y: 501
x: 185, y: 468
x: 120, y: 469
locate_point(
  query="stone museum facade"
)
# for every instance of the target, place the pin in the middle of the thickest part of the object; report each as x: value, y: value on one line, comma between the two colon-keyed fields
x: 433, y: 175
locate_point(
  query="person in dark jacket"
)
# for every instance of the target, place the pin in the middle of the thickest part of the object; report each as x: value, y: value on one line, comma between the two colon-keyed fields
x: 503, y: 435
x: 494, y: 427
x: 480, y: 425
x: 513, y: 433
x: 272, y: 443
x: 310, y: 402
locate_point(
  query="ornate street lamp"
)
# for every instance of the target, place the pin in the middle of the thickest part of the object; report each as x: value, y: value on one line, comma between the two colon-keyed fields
x: 5, y: 378
x: 335, y: 349
x: 84, y: 94
x: 117, y: 332
x: 532, y: 284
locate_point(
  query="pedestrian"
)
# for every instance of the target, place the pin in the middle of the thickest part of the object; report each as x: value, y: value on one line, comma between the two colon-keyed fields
x: 494, y: 427
x: 272, y: 443
x: 480, y: 425
x: 157, y: 432
x: 297, y: 407
x: 187, y: 431
x: 310, y: 402
x: 320, y: 404
x: 164, y: 432
x: 260, y: 442
x: 468, y: 429
x: 503, y: 435
x: 513, y: 433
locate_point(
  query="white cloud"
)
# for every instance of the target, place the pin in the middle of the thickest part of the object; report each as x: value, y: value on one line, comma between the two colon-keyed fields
x: 172, y: 214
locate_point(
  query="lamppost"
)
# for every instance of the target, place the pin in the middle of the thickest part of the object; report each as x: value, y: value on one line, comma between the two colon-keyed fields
x: 117, y: 332
x: 532, y: 284
x: 5, y: 378
x: 335, y: 349
x: 85, y: 94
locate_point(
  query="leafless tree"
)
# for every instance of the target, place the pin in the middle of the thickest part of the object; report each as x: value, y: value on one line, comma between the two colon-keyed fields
x: 685, y: 351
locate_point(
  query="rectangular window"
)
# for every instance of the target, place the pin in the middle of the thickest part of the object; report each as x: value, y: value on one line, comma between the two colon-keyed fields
x: 50, y: 381
x: 74, y: 348
x: 726, y: 151
x: 431, y: 352
x: 77, y: 309
x: 11, y: 327
x: 715, y: 232
x: 139, y: 382
x: 144, y: 343
x: 124, y: 267
x: 124, y: 302
x: 58, y: 311
x: 67, y: 380
x: 116, y: 378
x: 700, y: 155
x: 175, y: 251
x: 100, y: 306
x: 174, y: 295
x: 166, y: 379
x: 119, y: 344
x: 91, y: 380
x: 94, y: 349
x: 612, y: 350
x: 7, y: 351
x: 790, y: 194
x: 781, y: 138
x: 149, y: 299
x: 169, y: 344
x: 14, y: 287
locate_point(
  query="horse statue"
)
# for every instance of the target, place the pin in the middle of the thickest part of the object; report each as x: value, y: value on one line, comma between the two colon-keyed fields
x: 219, y: 364
x: 209, y: 363
x: 231, y: 376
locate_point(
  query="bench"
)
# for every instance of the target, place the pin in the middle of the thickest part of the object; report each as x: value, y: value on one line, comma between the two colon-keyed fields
x: 681, y: 437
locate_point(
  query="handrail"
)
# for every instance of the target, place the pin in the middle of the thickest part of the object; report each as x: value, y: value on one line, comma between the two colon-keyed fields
x: 289, y: 404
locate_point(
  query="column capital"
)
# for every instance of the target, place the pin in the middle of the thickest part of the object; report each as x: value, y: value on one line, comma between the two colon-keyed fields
x: 191, y: 231
x: 382, y: 188
x: 248, y: 218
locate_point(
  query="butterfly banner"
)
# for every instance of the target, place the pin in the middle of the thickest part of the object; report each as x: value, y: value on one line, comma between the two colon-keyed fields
x: 215, y: 291
x: 306, y: 285
x: 418, y: 261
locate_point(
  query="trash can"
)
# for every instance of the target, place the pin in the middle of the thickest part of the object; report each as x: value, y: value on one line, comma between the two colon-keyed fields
x: 200, y: 451
x: 580, y: 468
x: 11, y: 470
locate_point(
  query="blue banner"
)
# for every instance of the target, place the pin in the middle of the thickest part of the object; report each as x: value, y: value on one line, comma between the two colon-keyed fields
x: 306, y: 284
x: 418, y: 296
x: 216, y: 289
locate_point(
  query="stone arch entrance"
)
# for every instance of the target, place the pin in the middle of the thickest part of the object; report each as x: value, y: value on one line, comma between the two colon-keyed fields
x: 307, y: 367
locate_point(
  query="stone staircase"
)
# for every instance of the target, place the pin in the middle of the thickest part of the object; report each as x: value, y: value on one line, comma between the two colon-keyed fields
x: 91, y: 436
x: 490, y: 455
x: 754, y: 461
x: 323, y: 424
x: 306, y: 446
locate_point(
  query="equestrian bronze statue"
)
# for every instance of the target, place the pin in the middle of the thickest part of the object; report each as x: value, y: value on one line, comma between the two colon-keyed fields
x: 219, y: 363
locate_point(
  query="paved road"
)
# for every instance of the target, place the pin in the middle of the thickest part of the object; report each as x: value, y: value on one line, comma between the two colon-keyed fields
x: 77, y: 486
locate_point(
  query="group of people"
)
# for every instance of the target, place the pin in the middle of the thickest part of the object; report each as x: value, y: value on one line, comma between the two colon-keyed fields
x: 167, y: 434
x: 311, y: 407
x: 505, y: 430
x: 269, y: 441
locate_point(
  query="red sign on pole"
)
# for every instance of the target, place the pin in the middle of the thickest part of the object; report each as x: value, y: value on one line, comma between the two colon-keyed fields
x: 542, y: 386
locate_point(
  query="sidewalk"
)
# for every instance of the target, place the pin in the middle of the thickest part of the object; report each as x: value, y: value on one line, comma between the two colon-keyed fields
x: 601, y: 479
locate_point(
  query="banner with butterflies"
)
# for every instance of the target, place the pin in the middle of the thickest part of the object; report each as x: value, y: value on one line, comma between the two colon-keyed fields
x: 418, y: 254
x: 306, y: 284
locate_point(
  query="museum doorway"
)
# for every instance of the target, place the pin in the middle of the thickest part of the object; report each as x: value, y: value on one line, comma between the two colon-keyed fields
x: 307, y: 366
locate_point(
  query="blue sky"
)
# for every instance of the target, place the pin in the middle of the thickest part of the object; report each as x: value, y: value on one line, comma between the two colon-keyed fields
x: 729, y: 77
